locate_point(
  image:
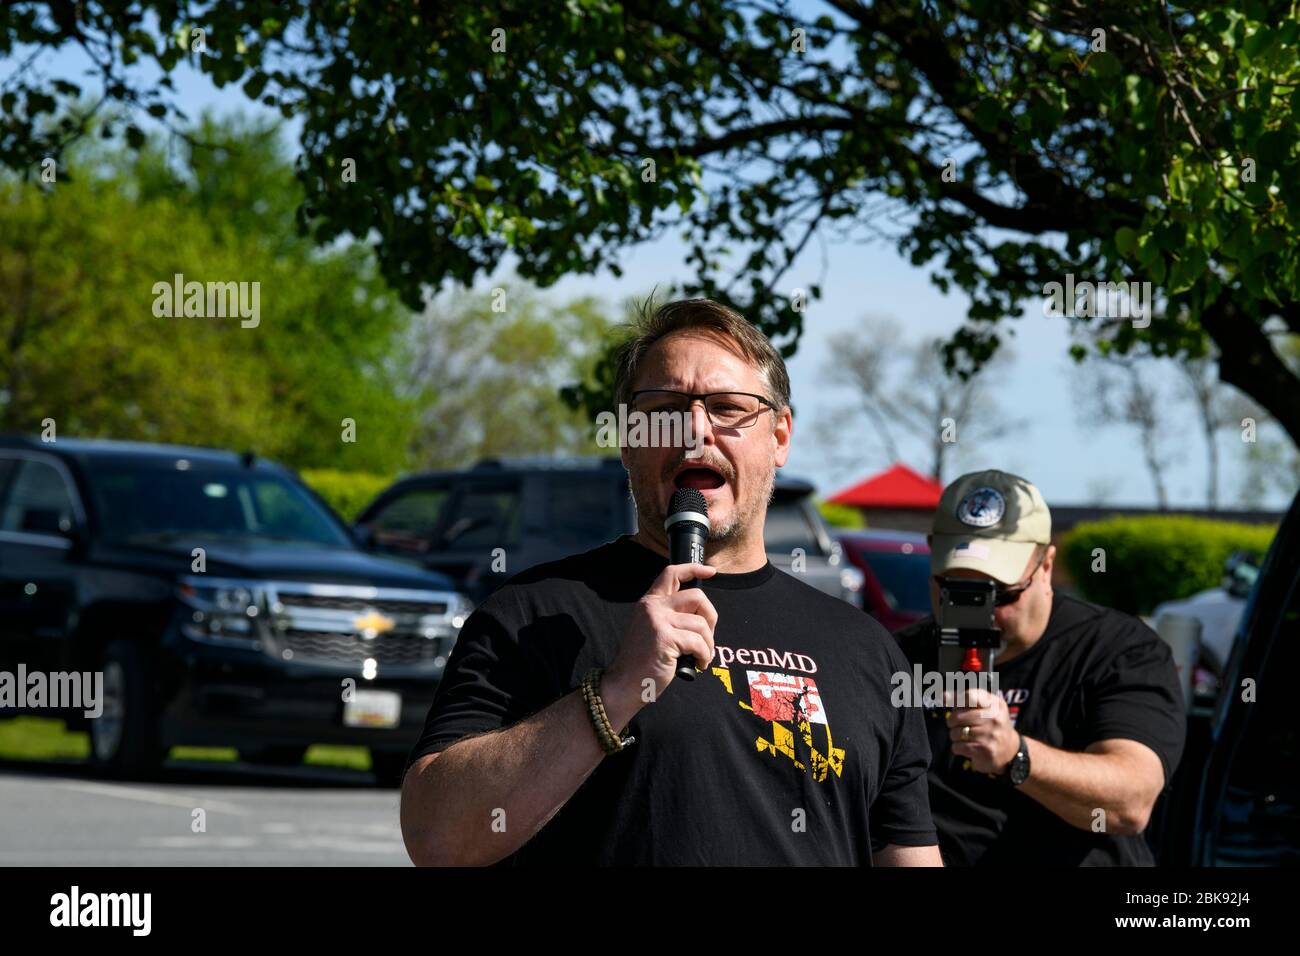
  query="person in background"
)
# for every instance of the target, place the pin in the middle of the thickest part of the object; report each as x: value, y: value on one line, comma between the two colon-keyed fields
x: 1064, y: 763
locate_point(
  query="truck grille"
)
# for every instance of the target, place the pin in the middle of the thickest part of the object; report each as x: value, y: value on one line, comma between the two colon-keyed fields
x: 348, y: 625
x: 402, y: 649
x: 360, y: 605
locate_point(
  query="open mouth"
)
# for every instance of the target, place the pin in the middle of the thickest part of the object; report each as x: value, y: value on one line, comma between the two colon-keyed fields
x: 700, y: 477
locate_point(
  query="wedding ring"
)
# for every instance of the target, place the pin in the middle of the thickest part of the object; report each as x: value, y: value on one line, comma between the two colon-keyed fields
x: 965, y: 732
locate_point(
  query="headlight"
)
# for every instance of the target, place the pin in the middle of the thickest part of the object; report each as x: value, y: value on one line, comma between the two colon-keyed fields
x: 222, y: 611
x: 851, y: 579
x: 461, y: 608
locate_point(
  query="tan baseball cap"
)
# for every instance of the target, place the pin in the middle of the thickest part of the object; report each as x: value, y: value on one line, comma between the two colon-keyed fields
x: 989, y: 521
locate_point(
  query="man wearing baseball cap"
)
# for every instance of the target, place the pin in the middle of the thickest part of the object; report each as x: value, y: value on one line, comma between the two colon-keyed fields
x: 1062, y: 759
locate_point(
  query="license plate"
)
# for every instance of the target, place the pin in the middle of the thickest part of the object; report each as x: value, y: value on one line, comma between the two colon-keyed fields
x: 373, y: 708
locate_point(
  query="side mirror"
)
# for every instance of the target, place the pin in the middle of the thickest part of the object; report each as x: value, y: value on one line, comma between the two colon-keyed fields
x: 1239, y: 573
x: 361, y: 534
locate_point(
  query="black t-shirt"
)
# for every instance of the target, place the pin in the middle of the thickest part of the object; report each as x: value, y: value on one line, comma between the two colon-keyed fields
x: 1095, y: 674
x: 786, y: 750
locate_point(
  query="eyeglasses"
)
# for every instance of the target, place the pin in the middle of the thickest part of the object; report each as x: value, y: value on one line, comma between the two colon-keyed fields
x: 724, y: 409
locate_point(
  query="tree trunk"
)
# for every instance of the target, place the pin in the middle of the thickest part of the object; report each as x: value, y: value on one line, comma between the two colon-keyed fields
x: 1154, y: 467
x: 1247, y: 360
x: 1212, y: 462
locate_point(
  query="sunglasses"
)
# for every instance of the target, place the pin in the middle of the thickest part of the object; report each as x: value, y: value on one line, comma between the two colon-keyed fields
x: 1002, y: 595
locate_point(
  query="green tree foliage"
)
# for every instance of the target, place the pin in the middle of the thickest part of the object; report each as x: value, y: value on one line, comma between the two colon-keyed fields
x: 80, y: 341
x: 1002, y: 143
x: 486, y: 370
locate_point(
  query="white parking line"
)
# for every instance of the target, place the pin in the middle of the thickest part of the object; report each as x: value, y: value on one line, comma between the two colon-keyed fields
x: 198, y: 842
x: 153, y: 796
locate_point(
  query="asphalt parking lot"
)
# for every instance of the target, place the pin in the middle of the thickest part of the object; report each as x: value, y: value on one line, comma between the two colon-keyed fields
x: 55, y: 814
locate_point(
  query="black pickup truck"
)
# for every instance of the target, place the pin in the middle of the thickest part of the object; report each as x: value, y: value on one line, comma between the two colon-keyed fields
x: 222, y: 601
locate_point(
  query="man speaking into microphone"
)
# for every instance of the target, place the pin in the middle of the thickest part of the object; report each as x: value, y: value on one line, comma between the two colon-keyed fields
x: 562, y: 732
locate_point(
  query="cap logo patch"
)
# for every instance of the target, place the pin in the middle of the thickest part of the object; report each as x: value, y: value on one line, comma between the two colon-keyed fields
x: 982, y: 508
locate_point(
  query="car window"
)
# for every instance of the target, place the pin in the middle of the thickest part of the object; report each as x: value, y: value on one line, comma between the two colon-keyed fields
x: 583, y: 511
x: 788, y: 528
x: 148, y: 503
x: 38, y: 501
x: 7, y: 468
x: 278, y: 507
x: 481, y: 517
x: 408, y: 522
x: 904, y: 578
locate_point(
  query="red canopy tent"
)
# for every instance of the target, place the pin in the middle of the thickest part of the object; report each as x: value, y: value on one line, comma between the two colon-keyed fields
x: 898, y: 497
x: 896, y: 487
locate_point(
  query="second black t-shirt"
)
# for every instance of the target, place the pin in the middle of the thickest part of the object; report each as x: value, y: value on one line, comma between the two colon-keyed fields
x: 1095, y: 674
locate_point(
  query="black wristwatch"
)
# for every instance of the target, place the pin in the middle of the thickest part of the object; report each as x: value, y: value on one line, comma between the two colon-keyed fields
x: 1017, y: 771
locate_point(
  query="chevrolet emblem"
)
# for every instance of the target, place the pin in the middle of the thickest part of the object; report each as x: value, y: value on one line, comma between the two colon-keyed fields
x: 372, y: 624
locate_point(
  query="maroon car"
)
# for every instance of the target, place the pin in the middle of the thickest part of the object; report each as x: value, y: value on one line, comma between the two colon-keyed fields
x: 896, y: 565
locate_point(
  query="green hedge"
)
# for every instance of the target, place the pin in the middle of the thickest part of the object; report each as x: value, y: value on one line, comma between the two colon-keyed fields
x: 841, y: 516
x: 346, y: 491
x: 1154, y: 558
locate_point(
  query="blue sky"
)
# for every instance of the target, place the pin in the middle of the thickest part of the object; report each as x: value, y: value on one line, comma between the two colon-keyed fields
x: 1068, y: 462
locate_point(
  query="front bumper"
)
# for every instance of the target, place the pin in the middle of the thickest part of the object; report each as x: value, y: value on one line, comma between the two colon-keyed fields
x: 216, y: 700
x: 285, y: 685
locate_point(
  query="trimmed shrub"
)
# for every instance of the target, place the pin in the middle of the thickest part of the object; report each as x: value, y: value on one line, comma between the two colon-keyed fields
x: 347, y: 492
x: 841, y: 516
x: 1154, y: 558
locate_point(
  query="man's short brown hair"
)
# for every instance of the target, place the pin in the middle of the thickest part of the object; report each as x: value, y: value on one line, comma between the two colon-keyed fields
x: 653, y: 323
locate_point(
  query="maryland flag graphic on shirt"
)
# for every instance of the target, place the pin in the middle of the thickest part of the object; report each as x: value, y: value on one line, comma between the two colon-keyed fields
x: 799, y: 729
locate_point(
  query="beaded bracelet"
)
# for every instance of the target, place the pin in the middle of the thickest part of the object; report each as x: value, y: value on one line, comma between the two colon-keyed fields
x: 610, y: 742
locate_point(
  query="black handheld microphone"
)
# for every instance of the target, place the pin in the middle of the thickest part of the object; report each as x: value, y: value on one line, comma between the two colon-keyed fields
x: 688, y: 529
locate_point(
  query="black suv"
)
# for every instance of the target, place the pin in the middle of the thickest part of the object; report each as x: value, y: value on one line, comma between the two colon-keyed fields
x: 485, y: 524
x: 223, y: 602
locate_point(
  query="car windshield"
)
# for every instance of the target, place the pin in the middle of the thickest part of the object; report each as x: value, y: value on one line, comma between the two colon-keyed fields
x: 157, y: 505
x: 905, y: 578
